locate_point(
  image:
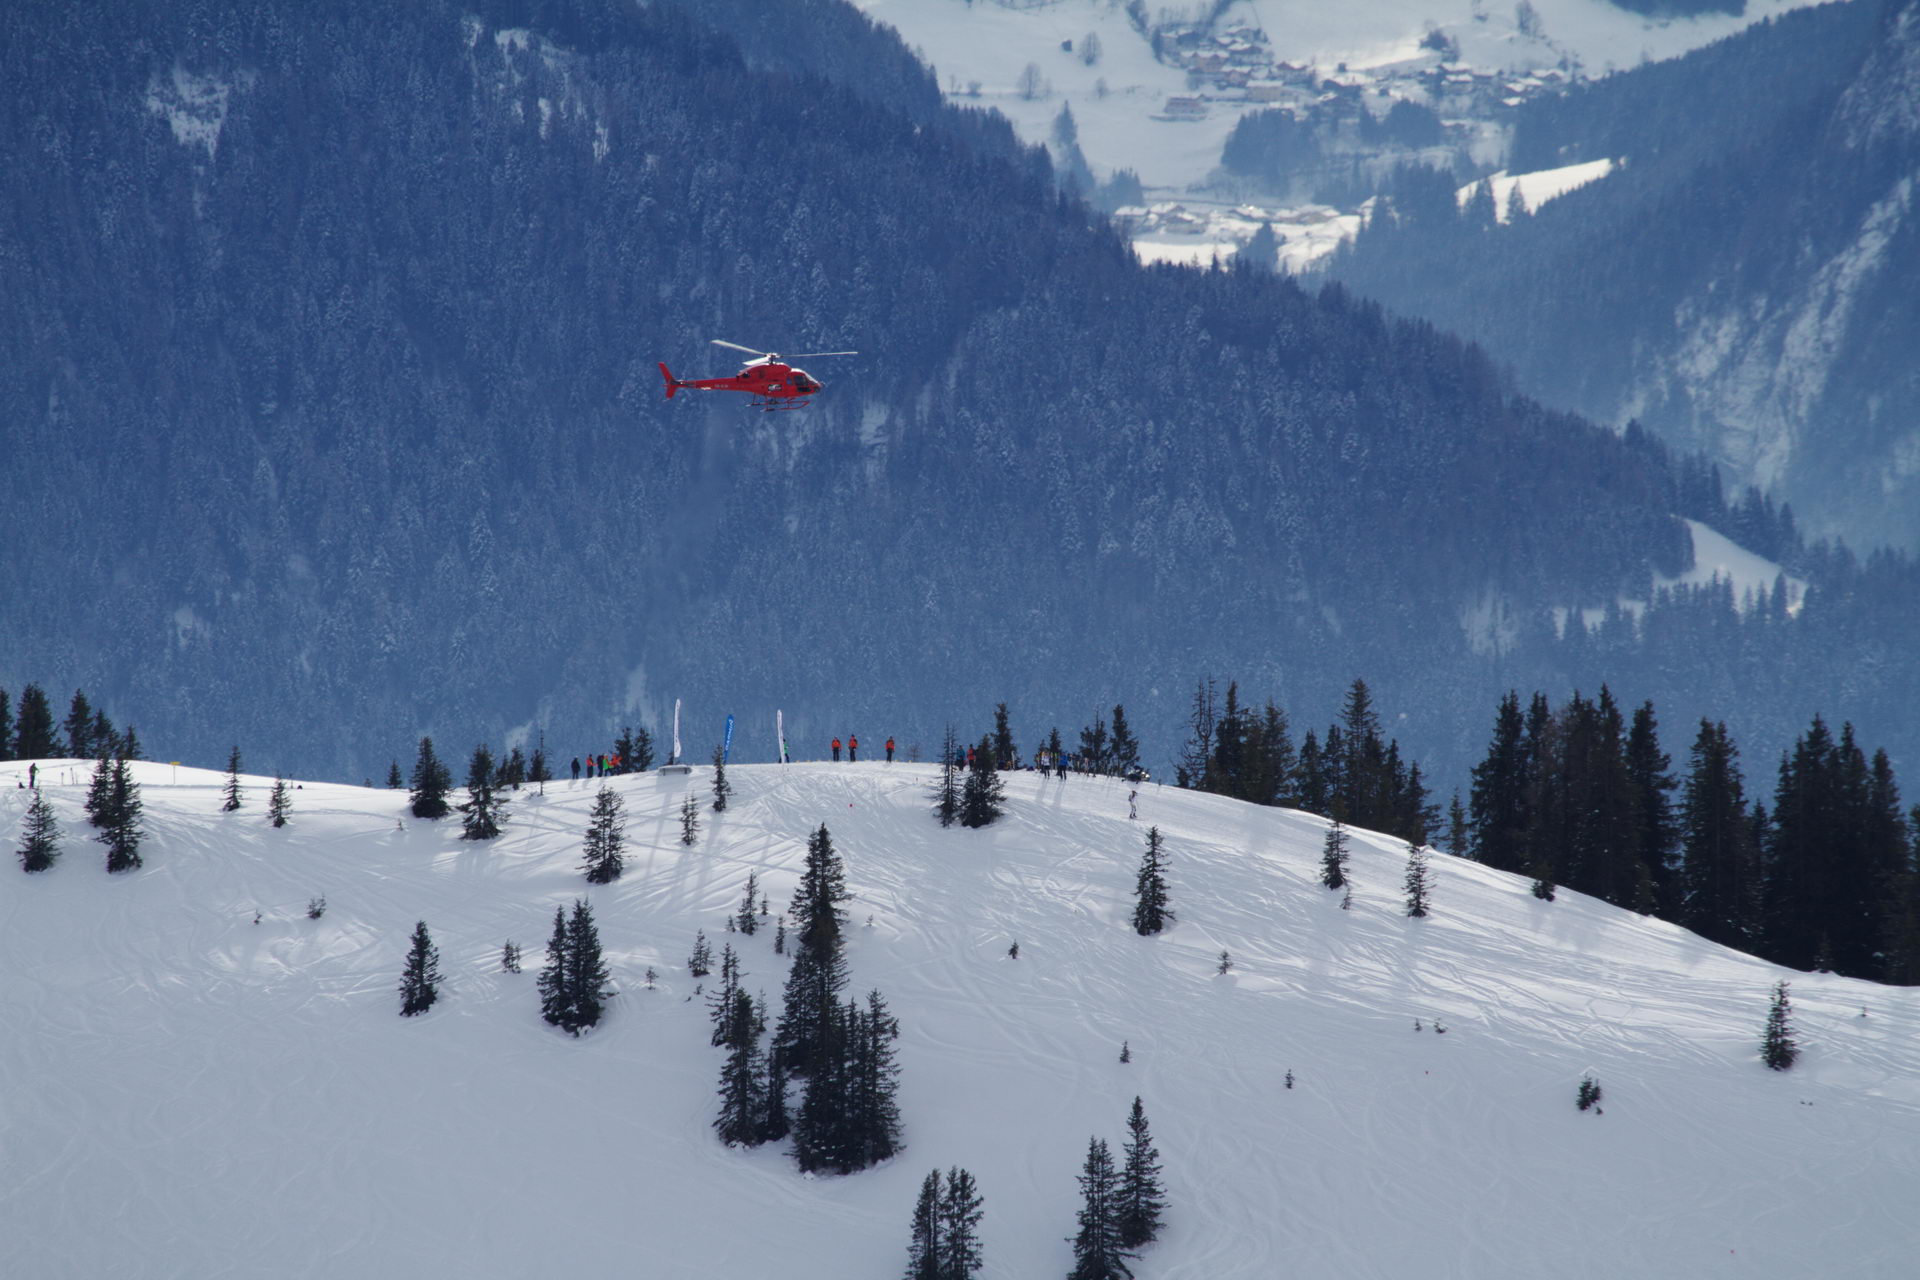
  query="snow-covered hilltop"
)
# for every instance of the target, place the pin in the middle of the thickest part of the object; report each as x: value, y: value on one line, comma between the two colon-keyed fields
x: 192, y: 1092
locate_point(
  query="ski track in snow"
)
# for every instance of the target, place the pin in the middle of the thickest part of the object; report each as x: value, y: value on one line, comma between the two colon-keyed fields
x: 242, y: 1100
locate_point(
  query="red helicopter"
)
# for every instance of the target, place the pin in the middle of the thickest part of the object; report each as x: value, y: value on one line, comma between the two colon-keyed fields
x: 772, y: 383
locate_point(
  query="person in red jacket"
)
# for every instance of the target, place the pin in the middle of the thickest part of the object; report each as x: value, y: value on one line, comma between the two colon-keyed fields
x: 836, y: 751
x: 853, y: 748
x: 889, y: 750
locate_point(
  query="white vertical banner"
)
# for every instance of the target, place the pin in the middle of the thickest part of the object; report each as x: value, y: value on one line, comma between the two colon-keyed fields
x: 780, y: 734
x: 676, y: 731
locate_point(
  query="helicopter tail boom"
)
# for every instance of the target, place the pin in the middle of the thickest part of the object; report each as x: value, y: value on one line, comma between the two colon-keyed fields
x: 672, y: 384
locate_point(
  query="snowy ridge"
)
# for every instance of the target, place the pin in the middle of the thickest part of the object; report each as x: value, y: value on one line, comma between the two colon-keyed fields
x: 246, y: 1098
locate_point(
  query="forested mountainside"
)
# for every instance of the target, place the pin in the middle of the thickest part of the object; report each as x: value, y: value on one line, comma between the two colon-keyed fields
x: 1742, y: 284
x: 329, y: 370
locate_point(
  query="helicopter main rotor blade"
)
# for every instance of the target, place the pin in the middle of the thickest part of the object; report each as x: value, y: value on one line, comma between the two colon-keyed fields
x: 813, y: 355
x: 752, y: 351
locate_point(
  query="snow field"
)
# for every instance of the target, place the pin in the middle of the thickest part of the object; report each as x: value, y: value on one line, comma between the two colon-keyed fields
x: 243, y: 1100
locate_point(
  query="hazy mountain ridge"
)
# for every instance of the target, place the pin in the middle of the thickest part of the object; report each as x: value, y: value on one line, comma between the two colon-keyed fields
x: 1739, y: 286
x: 343, y: 405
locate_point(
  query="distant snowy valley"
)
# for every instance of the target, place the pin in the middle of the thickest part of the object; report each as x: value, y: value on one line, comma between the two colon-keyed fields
x: 1155, y: 90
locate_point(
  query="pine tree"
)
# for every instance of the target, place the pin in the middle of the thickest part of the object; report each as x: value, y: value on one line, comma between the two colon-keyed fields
x: 606, y: 836
x: 960, y: 1214
x: 1457, y: 843
x: 1003, y: 751
x: 6, y: 727
x: 555, y: 999
x: 1150, y: 911
x: 127, y: 745
x: 1416, y: 883
x: 1097, y: 1251
x: 40, y: 836
x: 1542, y: 872
x: 819, y: 970
x: 420, y: 980
x: 1197, y: 752
x: 720, y: 1003
x: 79, y: 730
x: 1719, y: 872
x: 924, y: 1255
x: 587, y: 974
x: 538, y: 771
x: 946, y: 794
x: 1777, y: 1047
x: 1588, y: 1095
x: 741, y: 1077
x: 1333, y: 857
x: 700, y: 959
x: 983, y: 798
x: 1122, y: 746
x: 431, y: 782
x: 33, y: 726
x: 1498, y: 798
x: 484, y: 810
x: 232, y: 789
x: 510, y: 957
x: 689, y: 821
x: 748, y: 920
x: 875, y: 1084
x: 279, y: 802
x: 100, y: 792
x: 120, y: 828
x: 722, y: 789
x: 394, y: 780
x: 1142, y: 1201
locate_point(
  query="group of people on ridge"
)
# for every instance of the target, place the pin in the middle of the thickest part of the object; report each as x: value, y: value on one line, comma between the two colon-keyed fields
x: 853, y: 749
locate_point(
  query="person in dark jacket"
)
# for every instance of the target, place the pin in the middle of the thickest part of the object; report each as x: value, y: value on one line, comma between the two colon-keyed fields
x: 576, y: 768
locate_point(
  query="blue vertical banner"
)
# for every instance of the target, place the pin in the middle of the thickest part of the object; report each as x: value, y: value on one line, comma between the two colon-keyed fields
x: 726, y: 743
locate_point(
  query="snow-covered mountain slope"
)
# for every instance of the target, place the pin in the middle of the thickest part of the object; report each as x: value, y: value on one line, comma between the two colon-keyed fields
x: 189, y: 1092
x: 980, y: 49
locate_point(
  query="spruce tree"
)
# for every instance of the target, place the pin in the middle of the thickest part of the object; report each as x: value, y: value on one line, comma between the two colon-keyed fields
x: 484, y: 810
x: 946, y: 794
x: 689, y: 821
x: 6, y: 726
x: 79, y: 730
x: 722, y: 789
x: 120, y: 830
x: 127, y: 745
x: 33, y: 726
x: 925, y: 1260
x: 1499, y: 796
x: 1097, y: 1251
x: 514, y: 772
x: 606, y: 835
x: 1122, y: 747
x: 556, y: 1004
x: 100, y: 792
x: 1003, y: 751
x: 749, y: 920
x: 430, y: 784
x: 983, y: 798
x: 1417, y: 886
x: 700, y: 959
x: 741, y: 1077
x: 538, y: 771
x: 960, y: 1214
x: 40, y: 836
x: 510, y: 957
x: 720, y: 1003
x: 1777, y: 1047
x: 232, y: 789
x: 1150, y: 911
x: 874, y: 1083
x: 420, y: 980
x: 1333, y: 857
x: 394, y: 780
x: 819, y: 970
x: 823, y: 1137
x: 1142, y: 1201
x: 1719, y: 872
x: 587, y: 973
x: 279, y: 802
